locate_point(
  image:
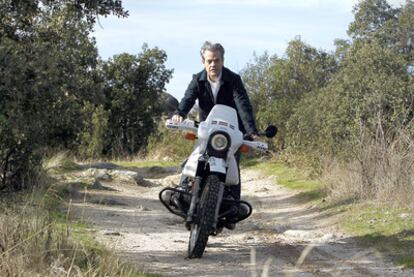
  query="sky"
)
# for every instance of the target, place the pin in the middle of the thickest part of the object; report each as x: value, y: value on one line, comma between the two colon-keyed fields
x: 243, y: 27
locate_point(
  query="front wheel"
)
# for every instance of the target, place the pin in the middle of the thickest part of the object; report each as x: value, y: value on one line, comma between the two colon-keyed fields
x: 205, y: 217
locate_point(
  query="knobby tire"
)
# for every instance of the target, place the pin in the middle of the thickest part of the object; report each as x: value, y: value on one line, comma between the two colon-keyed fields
x: 206, y: 215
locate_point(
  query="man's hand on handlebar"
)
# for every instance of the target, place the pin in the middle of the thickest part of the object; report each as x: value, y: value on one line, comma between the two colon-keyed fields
x: 252, y: 137
x: 177, y: 118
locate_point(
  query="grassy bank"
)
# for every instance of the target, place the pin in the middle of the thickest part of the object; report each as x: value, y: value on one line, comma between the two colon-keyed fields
x: 292, y: 178
x: 385, y: 227
x: 37, y: 237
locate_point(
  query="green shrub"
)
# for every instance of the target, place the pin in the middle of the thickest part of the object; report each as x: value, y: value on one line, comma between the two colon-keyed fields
x: 93, y: 138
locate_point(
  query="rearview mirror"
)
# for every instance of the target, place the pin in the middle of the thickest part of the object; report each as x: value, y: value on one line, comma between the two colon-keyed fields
x: 271, y: 131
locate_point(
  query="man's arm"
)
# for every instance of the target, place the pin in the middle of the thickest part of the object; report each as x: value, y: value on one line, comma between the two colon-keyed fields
x: 188, y: 100
x: 244, y: 107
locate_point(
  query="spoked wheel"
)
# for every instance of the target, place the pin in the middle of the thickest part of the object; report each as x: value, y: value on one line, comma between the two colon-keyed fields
x: 201, y: 229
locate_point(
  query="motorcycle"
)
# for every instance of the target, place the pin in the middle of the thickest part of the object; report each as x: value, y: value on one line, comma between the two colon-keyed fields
x: 209, y: 170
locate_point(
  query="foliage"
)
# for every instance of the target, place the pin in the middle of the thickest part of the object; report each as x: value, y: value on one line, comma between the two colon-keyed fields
x: 47, y: 61
x: 276, y: 85
x: 133, y: 87
x: 348, y: 114
x: 376, y: 20
x: 371, y: 88
x: 56, y: 93
x: 321, y: 101
x: 93, y: 138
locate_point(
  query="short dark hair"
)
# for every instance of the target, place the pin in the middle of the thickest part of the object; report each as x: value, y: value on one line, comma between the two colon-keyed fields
x: 212, y: 47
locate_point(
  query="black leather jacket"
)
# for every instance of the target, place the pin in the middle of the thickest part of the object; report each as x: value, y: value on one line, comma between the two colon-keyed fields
x: 232, y: 93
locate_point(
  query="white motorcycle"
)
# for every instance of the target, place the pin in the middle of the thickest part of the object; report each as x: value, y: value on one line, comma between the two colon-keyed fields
x: 210, y: 168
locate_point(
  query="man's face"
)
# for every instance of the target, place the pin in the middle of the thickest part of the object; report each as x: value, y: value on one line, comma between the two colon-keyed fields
x: 213, y: 63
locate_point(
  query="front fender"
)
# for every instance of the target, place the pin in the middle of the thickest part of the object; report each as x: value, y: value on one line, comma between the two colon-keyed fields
x: 217, y: 165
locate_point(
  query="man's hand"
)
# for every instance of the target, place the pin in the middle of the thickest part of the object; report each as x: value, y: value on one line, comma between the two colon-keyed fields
x: 177, y: 118
x: 255, y: 137
x: 251, y: 137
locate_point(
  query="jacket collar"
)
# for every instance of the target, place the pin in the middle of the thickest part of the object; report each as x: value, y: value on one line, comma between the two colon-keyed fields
x: 225, y: 75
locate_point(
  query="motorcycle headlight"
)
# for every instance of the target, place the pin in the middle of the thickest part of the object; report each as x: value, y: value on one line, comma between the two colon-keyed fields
x: 219, y: 142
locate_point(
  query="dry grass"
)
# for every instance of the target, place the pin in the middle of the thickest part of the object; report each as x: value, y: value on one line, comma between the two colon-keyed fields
x: 383, y: 170
x: 38, y: 240
x: 168, y: 145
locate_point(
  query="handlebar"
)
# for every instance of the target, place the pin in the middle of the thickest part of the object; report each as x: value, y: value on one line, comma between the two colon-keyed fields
x: 192, y: 126
x: 187, y: 124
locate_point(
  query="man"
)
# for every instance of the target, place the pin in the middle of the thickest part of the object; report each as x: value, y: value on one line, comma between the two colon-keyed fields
x: 216, y: 84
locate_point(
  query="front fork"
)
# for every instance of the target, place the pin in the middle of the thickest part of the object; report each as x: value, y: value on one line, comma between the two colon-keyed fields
x: 194, y: 200
x: 219, y: 199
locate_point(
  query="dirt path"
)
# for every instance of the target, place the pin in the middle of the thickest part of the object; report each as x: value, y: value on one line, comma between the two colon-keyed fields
x: 130, y: 219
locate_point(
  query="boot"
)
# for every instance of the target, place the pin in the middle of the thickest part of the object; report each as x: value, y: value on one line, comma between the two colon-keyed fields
x: 243, y: 210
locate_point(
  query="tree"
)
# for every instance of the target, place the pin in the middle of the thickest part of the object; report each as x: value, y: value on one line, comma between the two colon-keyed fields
x: 133, y: 87
x: 377, y: 21
x: 374, y: 19
x: 47, y: 63
x: 277, y: 84
x: 371, y: 90
x: 405, y: 34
